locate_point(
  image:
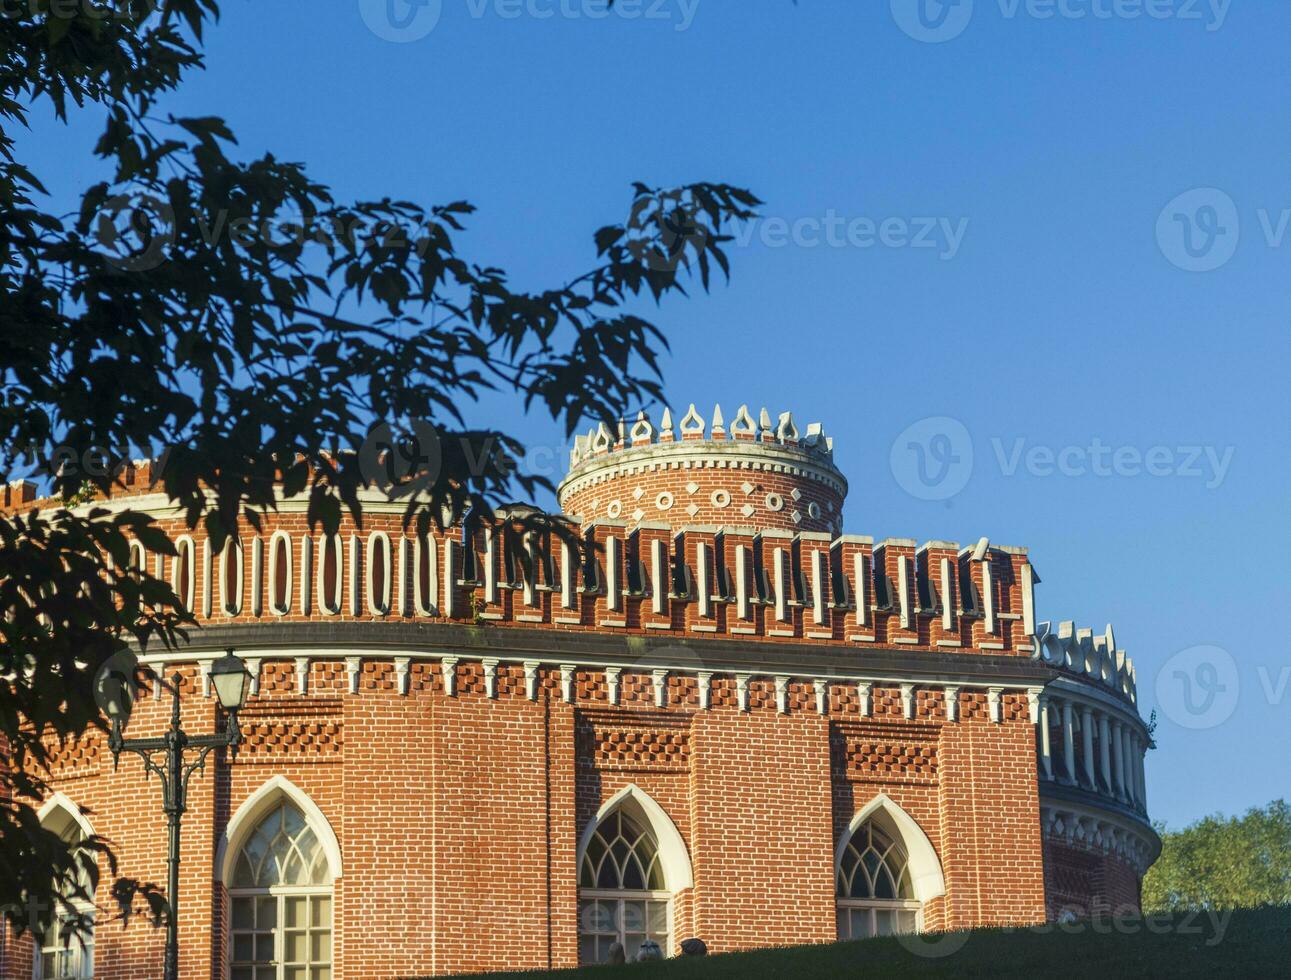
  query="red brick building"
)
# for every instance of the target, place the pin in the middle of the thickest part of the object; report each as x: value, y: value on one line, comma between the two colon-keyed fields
x: 724, y: 720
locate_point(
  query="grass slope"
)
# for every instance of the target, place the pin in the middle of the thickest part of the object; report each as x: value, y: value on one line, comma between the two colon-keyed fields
x: 1253, y: 943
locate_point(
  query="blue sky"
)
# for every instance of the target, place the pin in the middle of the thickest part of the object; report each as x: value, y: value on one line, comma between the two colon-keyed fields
x: 1037, y: 155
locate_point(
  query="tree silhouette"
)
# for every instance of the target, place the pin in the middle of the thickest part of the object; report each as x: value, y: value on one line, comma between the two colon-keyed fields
x: 235, y: 317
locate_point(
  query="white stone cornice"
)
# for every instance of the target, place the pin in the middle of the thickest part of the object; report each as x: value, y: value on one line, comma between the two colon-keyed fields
x: 1082, y: 826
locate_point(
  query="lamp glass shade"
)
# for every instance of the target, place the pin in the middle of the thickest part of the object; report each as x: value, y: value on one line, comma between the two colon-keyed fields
x: 114, y: 686
x: 229, y: 675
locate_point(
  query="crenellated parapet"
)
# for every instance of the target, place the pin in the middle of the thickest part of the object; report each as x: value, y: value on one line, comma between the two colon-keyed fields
x: 18, y: 494
x: 749, y: 472
x: 1088, y: 656
x: 656, y: 579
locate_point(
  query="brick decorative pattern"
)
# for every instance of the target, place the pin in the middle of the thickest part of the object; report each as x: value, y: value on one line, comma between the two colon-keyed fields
x: 620, y: 746
x: 76, y: 757
x: 870, y: 753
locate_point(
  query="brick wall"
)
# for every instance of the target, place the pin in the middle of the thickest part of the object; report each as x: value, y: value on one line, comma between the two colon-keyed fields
x: 458, y: 816
x: 1082, y: 882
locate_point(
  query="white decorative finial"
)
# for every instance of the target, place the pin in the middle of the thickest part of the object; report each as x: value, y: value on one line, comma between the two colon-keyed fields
x: 643, y: 431
x: 764, y: 420
x: 692, y: 424
x: 602, y: 441
x: 744, y: 424
x: 787, y: 431
x: 719, y: 425
x: 665, y: 424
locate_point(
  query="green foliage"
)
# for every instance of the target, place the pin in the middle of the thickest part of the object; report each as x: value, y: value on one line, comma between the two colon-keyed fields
x: 164, y: 314
x: 1223, y: 863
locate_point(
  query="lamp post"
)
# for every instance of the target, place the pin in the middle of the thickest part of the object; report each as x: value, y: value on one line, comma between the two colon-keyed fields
x: 168, y: 756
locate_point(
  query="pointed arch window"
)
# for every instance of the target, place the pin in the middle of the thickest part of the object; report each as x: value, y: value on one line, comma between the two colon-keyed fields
x: 66, y: 947
x: 280, y: 901
x: 622, y: 892
x: 875, y: 893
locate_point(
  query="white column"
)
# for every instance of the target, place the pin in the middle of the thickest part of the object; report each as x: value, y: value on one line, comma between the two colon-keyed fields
x: 1127, y: 746
x: 1118, y: 759
x: 1087, y: 744
x: 1069, y: 740
x: 1105, y: 752
x: 1046, y: 751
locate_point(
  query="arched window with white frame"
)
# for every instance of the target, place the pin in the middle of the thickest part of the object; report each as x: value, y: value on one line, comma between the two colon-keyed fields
x: 184, y: 571
x: 885, y: 870
x: 379, y: 573
x: 65, y: 950
x: 231, y: 571
x: 279, y: 861
x: 631, y: 862
x: 330, y: 565
x: 280, y: 573
x: 875, y: 894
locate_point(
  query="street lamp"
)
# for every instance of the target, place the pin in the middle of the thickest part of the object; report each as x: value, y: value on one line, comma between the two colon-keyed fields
x: 229, y: 677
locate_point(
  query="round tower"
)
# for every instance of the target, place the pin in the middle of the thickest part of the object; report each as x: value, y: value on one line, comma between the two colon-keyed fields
x: 752, y: 474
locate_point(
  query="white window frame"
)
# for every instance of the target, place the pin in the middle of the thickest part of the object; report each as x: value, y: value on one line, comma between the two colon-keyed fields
x: 285, y: 538
x: 281, y: 893
x: 873, y: 906
x: 84, y: 951
x: 185, y: 555
x: 331, y: 544
x: 619, y: 896
x: 231, y: 552
x: 56, y: 806
x: 138, y: 556
x: 378, y: 605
